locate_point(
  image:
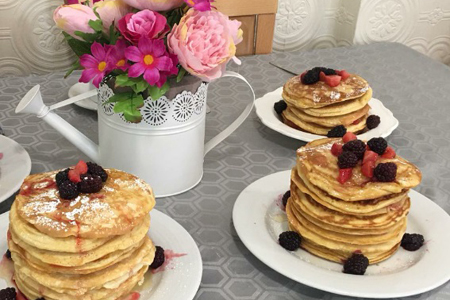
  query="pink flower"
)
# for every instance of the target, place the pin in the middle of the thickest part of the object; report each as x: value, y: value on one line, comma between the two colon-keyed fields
x: 201, y: 5
x: 95, y: 65
x: 145, y: 23
x: 117, y: 57
x: 152, y: 60
x: 155, y: 5
x: 79, y: 1
x: 75, y: 17
x: 205, y: 42
x: 111, y: 11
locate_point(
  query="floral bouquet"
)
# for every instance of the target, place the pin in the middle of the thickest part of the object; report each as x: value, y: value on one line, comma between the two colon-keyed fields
x: 141, y: 44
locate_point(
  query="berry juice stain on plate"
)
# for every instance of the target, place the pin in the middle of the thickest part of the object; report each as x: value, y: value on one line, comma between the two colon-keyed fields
x: 169, y: 255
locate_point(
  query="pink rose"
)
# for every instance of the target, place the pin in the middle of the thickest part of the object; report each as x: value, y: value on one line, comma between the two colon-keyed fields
x: 78, y: 1
x: 145, y: 23
x: 155, y: 5
x: 111, y: 11
x: 205, y: 42
x: 75, y: 17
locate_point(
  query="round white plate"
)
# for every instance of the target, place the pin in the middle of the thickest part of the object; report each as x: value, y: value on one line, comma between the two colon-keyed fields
x: 181, y: 278
x: 259, y: 220
x: 80, y: 88
x: 268, y: 116
x: 15, y: 165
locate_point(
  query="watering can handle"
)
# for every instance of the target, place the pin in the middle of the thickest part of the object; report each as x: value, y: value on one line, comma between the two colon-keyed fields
x: 233, y: 126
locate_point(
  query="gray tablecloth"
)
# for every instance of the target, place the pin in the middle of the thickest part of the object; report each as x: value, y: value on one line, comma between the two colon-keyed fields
x: 413, y: 86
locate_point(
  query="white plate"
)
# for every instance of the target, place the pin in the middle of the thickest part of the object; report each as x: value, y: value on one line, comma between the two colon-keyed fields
x: 258, y: 221
x: 268, y: 116
x: 181, y: 278
x: 14, y: 167
x: 80, y: 88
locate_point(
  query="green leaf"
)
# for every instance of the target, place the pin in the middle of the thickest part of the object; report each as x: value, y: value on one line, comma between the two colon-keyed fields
x: 88, y: 37
x: 140, y: 86
x: 77, y: 46
x: 124, y: 80
x: 97, y: 25
x: 133, y: 116
x: 156, y: 92
x: 120, y: 97
x: 76, y: 66
x: 181, y: 74
x: 113, y: 34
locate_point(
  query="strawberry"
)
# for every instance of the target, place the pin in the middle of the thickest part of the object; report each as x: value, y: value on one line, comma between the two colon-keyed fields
x: 20, y: 296
x: 322, y: 76
x: 349, y: 136
x: 333, y: 80
x: 302, y: 75
x: 344, y: 175
x: 367, y: 168
x: 388, y: 153
x: 370, y: 156
x: 74, y: 176
x: 81, y: 167
x: 356, y: 122
x: 133, y: 296
x: 336, y: 149
x: 344, y: 74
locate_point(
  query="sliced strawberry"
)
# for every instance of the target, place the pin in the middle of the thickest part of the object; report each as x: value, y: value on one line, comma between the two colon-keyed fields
x: 74, y: 176
x: 367, y: 168
x: 133, y: 296
x: 344, y: 175
x: 81, y: 167
x: 388, y: 153
x: 336, y: 149
x: 322, y: 76
x: 344, y: 74
x: 370, y: 156
x: 356, y: 122
x: 333, y: 80
x: 349, y: 136
x: 20, y: 296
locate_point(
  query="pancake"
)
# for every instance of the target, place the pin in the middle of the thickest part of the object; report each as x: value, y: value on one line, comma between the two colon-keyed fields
x: 344, y: 119
x: 109, y: 212
x: 320, y: 94
x: 340, y: 108
x: 319, y: 166
x: 318, y: 129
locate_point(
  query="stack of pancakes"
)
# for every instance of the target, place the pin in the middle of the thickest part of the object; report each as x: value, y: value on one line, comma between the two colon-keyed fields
x: 317, y: 108
x: 336, y: 220
x: 93, y: 247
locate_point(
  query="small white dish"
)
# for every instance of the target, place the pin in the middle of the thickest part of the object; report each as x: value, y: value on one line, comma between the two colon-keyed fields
x: 180, y: 279
x: 80, y: 88
x: 15, y: 165
x: 268, y: 116
x: 259, y: 220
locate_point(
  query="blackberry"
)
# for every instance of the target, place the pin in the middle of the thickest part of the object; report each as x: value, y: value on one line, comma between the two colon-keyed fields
x: 373, y: 121
x: 412, y: 241
x: 286, y: 197
x: 289, y: 240
x: 159, y: 258
x: 42, y: 298
x: 8, y: 254
x: 68, y: 190
x: 90, y: 183
x: 311, y: 77
x: 385, y: 172
x: 280, y: 106
x: 356, y: 146
x: 377, y: 145
x: 62, y: 176
x: 347, y: 160
x: 356, y: 264
x: 327, y: 71
x: 337, y: 131
x: 8, y: 294
x: 95, y: 169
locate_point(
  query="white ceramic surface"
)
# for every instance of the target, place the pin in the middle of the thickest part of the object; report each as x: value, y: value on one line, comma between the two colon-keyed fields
x: 259, y: 220
x: 181, y: 278
x: 268, y: 116
x: 80, y: 88
x: 15, y: 165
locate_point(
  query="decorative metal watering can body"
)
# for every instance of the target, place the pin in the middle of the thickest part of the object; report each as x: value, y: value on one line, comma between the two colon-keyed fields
x: 166, y: 148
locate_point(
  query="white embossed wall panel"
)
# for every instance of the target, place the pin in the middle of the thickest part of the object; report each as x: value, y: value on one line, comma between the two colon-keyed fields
x: 308, y: 24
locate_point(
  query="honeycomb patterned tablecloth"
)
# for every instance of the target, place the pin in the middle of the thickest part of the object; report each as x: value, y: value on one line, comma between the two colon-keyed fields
x: 413, y: 86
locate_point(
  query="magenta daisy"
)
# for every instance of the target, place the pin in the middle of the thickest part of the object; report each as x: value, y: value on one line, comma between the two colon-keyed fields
x: 95, y: 65
x: 151, y: 59
x: 117, y: 56
x: 200, y: 5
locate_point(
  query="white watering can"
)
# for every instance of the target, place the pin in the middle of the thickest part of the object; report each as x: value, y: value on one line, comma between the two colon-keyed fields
x: 166, y: 149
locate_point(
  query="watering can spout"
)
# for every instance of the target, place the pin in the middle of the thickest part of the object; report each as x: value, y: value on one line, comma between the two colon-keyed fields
x: 32, y: 103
